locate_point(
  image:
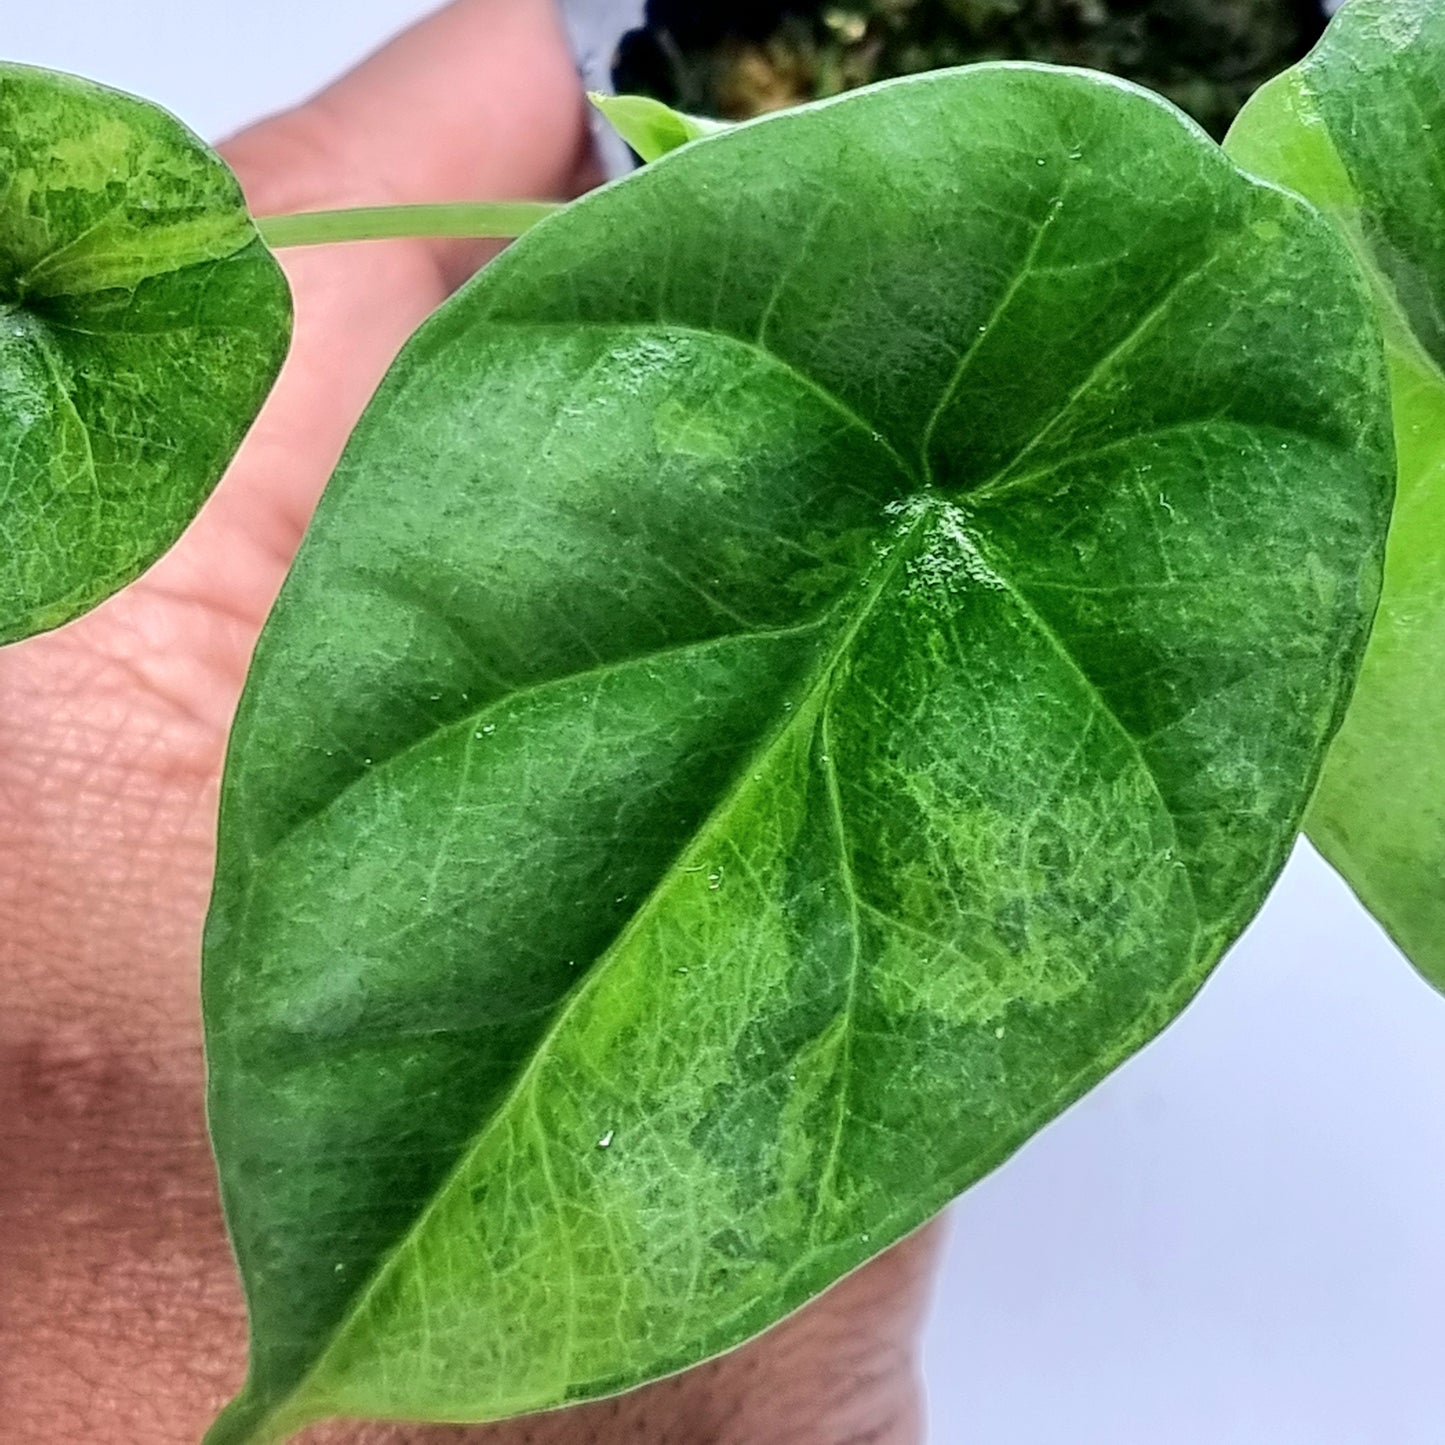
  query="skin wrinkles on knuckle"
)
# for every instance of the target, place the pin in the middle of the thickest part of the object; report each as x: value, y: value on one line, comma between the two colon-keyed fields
x: 88, y: 913
x: 125, y: 686
x: 97, y: 763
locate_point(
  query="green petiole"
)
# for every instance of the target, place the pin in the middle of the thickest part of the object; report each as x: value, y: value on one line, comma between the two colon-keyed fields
x: 475, y: 219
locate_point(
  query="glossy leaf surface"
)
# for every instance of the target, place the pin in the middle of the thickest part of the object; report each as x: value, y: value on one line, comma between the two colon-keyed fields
x: 1359, y: 128
x: 803, y: 667
x: 141, y: 325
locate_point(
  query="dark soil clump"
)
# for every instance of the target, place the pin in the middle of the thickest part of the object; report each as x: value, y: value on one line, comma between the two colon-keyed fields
x: 739, y: 59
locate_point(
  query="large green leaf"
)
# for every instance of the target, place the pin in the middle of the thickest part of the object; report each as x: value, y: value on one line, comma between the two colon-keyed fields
x: 1359, y: 128
x: 803, y: 667
x: 141, y: 325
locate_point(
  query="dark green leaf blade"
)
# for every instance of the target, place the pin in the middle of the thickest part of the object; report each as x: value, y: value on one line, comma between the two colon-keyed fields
x: 1359, y: 129
x: 142, y: 323
x: 803, y: 668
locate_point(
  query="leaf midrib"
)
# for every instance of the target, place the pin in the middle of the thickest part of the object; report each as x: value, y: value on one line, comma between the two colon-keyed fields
x: 808, y: 712
x: 175, y: 246
x: 814, y: 696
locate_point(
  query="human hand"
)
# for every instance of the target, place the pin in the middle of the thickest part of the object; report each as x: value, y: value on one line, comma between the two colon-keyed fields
x: 120, y: 1317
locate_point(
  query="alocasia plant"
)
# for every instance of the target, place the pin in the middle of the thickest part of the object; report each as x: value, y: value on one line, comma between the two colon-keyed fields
x: 856, y: 661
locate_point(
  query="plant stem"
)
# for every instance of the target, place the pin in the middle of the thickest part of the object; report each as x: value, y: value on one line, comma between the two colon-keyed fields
x: 381, y: 223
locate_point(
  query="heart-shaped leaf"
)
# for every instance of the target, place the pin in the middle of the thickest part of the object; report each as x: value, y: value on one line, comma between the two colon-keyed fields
x: 1359, y: 128
x: 142, y: 323
x: 803, y: 668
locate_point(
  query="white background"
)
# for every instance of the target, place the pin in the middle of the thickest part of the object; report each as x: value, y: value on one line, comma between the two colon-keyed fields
x: 1237, y: 1240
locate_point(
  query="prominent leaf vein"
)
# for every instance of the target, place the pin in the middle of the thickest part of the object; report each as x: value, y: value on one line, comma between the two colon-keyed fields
x: 478, y: 716
x: 843, y: 1067
x: 960, y: 370
x: 1051, y: 635
x: 1121, y: 348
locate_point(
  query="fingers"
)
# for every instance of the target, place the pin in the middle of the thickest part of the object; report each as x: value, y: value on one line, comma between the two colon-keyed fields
x: 480, y: 101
